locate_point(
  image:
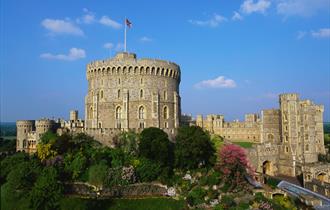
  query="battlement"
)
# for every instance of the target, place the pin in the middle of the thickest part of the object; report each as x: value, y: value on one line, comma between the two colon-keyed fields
x: 289, y: 97
x: 126, y: 63
x: 25, y: 123
x: 44, y: 123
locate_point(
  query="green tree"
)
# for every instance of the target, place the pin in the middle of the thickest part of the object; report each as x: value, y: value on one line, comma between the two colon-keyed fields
x: 48, y: 137
x: 147, y: 170
x: 193, y: 147
x: 97, y: 174
x: 45, y: 151
x: 11, y: 162
x: 154, y: 145
x: 47, y: 191
x: 75, y: 164
x: 20, y: 180
x: 128, y: 142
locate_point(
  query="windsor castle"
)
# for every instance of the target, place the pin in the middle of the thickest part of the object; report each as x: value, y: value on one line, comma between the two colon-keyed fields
x: 126, y: 93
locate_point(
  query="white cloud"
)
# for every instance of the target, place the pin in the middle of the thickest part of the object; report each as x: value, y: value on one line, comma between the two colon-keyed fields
x: 108, y: 45
x: 219, y: 82
x: 87, y: 18
x: 260, y: 6
x: 145, y: 39
x: 321, y: 33
x: 237, y: 16
x: 301, y: 34
x: 74, y: 54
x: 213, y: 22
x: 61, y: 27
x: 105, y: 20
x: 302, y: 7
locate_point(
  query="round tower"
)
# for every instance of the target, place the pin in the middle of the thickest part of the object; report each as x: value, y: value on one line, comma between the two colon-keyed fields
x: 23, y: 128
x: 129, y: 93
x: 42, y: 126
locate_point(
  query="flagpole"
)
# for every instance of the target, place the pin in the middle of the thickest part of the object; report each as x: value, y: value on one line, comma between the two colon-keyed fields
x: 125, y: 36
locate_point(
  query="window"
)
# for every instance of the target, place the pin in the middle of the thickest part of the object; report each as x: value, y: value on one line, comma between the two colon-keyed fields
x: 141, y: 113
x: 90, y: 113
x: 118, y: 113
x: 165, y: 95
x: 101, y: 94
x: 100, y: 125
x: 24, y: 143
x: 307, y: 147
x: 141, y: 125
x: 165, y: 112
x: 141, y: 81
x: 286, y: 149
x: 119, y: 81
x: 166, y: 124
x: 118, y: 94
x: 141, y: 93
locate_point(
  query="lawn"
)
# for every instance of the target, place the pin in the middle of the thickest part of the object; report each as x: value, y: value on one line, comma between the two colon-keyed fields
x: 243, y: 144
x: 70, y: 203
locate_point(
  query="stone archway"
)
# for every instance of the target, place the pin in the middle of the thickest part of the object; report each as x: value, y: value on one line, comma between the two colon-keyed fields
x: 267, y: 168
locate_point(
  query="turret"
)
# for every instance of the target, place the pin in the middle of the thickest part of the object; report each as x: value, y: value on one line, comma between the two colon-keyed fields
x: 23, y: 128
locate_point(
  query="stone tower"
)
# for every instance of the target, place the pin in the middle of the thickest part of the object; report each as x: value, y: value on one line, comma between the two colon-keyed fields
x: 44, y: 125
x: 73, y: 115
x: 129, y: 93
x: 301, y: 133
x: 24, y: 127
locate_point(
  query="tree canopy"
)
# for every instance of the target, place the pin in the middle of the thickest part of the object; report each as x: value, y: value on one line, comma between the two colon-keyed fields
x: 193, y: 148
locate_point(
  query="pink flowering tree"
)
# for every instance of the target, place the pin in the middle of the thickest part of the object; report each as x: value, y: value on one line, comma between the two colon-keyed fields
x: 234, y: 165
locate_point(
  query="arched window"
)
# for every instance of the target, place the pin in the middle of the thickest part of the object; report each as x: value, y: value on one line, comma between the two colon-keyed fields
x: 165, y: 112
x: 141, y: 113
x: 165, y: 95
x: 118, y: 113
x: 101, y: 94
x: 100, y: 125
x: 24, y: 143
x: 141, y: 125
x: 119, y: 81
x: 141, y: 93
x: 91, y: 112
x: 118, y: 94
x: 166, y: 124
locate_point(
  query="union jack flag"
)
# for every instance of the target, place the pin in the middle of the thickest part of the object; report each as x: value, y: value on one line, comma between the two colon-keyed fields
x: 128, y: 23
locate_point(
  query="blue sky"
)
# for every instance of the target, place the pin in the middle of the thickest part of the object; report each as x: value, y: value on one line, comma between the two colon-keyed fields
x: 235, y: 57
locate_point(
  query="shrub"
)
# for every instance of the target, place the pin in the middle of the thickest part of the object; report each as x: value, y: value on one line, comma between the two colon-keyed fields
x: 196, y: 196
x: 193, y: 148
x: 154, y: 145
x: 147, y: 170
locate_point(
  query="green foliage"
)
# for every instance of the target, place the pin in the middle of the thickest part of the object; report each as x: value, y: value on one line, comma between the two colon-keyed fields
x: 20, y: 180
x: 196, y: 196
x: 122, y: 204
x: 272, y: 182
x: 193, y: 147
x: 285, y: 202
x: 47, y: 191
x: 147, y: 170
x: 227, y: 202
x: 11, y: 162
x: 45, y: 151
x: 128, y: 142
x: 48, y: 138
x: 7, y: 145
x: 154, y: 145
x: 97, y: 174
x: 75, y: 165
